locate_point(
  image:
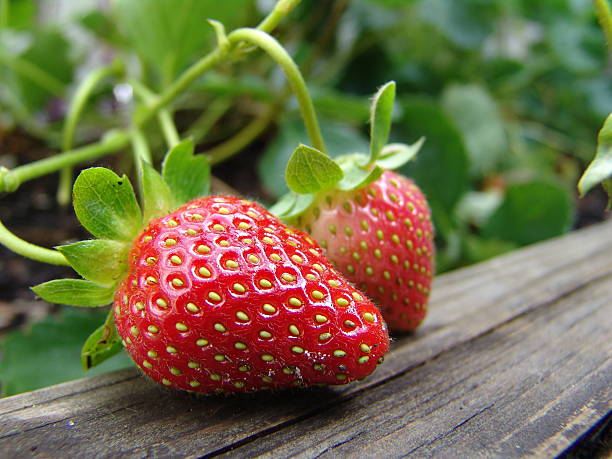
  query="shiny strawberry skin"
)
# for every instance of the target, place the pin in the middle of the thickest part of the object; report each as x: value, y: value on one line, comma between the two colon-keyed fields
x: 381, y: 238
x: 222, y: 297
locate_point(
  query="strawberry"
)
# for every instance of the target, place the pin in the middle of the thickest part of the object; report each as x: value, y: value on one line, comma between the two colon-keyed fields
x: 215, y: 295
x: 220, y: 296
x: 380, y: 238
x: 374, y: 223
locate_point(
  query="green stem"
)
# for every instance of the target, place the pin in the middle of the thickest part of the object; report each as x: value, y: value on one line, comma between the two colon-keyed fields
x: 604, y: 14
x: 204, y: 123
x: 77, y: 105
x: 244, y: 137
x: 29, y: 250
x: 11, y: 180
x: 164, y: 117
x: 274, y: 49
x: 281, y: 9
x: 141, y: 151
x: 34, y: 73
x: 140, y: 147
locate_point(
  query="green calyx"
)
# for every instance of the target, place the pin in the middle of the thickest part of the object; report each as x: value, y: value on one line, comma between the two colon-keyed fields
x: 310, y: 172
x: 107, y: 207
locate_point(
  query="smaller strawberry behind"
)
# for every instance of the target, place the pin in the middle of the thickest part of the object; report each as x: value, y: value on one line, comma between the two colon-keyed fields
x: 380, y: 237
x: 374, y: 224
x: 215, y: 296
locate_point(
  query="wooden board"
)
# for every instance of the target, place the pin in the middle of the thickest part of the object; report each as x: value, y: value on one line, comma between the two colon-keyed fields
x: 515, y: 358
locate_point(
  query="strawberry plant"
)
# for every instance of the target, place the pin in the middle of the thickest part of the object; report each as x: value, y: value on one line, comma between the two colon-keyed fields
x: 374, y: 224
x: 216, y: 295
x: 501, y: 101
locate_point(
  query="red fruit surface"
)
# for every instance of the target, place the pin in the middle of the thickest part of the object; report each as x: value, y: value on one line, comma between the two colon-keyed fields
x: 381, y: 238
x: 220, y: 296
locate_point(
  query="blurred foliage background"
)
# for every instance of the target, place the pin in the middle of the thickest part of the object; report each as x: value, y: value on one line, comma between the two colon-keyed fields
x: 509, y: 94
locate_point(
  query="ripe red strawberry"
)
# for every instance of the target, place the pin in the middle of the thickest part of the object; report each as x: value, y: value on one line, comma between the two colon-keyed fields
x: 221, y: 296
x: 380, y: 238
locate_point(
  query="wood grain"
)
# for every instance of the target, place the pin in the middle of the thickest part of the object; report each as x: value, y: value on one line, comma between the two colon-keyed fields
x: 514, y: 358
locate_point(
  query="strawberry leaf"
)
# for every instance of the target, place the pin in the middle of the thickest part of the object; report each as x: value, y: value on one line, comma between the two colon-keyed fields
x: 99, y: 260
x: 187, y: 175
x: 75, y: 292
x: 48, y: 352
x: 102, y: 344
x: 310, y: 171
x: 381, y: 118
x: 106, y: 205
x: 291, y: 205
x: 356, y: 175
x: 157, y: 198
x: 531, y: 212
x: 396, y: 155
x: 600, y: 169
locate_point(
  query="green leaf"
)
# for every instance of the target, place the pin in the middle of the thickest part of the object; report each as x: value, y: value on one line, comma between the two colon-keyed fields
x: 311, y: 171
x: 75, y: 292
x: 187, y: 175
x: 46, y: 70
x: 441, y: 168
x: 476, y: 115
x: 479, y: 249
x: 49, y: 352
x: 356, y: 175
x: 106, y: 205
x: 600, y: 169
x: 284, y: 205
x: 99, y: 260
x: 102, y: 344
x: 157, y: 199
x: 340, y: 139
x: 168, y: 34
x: 292, y: 205
x: 381, y: 118
x: 466, y: 23
x: 531, y: 212
x: 396, y: 155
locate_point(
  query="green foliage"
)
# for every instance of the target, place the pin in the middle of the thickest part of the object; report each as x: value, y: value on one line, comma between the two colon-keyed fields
x: 476, y: 115
x: 507, y: 94
x: 441, y: 168
x: 102, y: 344
x: 381, y: 118
x: 168, y: 34
x: 600, y: 169
x: 310, y: 171
x: 355, y: 175
x: 157, y: 199
x: 49, y: 352
x: 106, y: 205
x: 75, y: 292
x: 101, y: 261
x: 339, y: 138
x: 395, y: 155
x: 531, y: 212
x: 187, y: 175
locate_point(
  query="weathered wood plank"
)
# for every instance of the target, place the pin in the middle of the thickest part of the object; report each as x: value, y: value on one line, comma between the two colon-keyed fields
x: 122, y: 413
x: 531, y: 386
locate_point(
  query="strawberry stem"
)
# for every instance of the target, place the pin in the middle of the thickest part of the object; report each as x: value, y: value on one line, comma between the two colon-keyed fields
x: 10, y: 180
x: 77, y: 104
x: 276, y: 51
x: 164, y: 117
x: 29, y: 250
